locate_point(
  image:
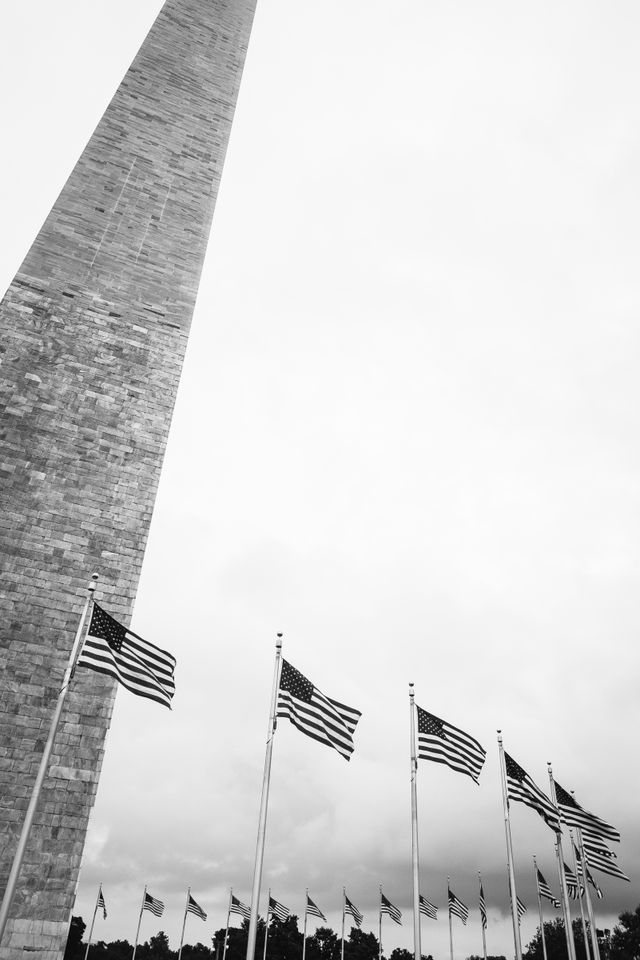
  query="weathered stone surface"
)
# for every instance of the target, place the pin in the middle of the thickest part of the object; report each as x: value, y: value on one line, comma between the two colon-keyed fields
x: 94, y: 328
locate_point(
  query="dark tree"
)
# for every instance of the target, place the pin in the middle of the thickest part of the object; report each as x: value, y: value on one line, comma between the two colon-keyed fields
x: 74, y: 948
x: 323, y: 945
x: 197, y: 951
x: 401, y: 954
x: 625, y: 938
x: 555, y: 941
x: 361, y: 946
x: 237, y: 943
x: 285, y: 940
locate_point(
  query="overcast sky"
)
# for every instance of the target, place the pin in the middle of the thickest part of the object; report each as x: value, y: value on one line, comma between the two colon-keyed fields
x: 406, y: 436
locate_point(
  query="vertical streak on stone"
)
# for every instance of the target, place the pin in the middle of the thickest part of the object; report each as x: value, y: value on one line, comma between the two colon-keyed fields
x: 94, y: 329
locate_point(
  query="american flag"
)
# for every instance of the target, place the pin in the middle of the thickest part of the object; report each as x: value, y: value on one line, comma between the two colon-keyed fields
x: 457, y: 907
x: 387, y: 907
x: 237, y: 906
x: 581, y: 873
x: 521, y: 908
x: 278, y: 910
x: 545, y: 890
x: 151, y: 903
x: 427, y: 908
x: 352, y: 910
x: 576, y: 816
x: 521, y: 787
x: 193, y: 907
x: 312, y: 713
x: 604, y: 863
x: 139, y: 666
x: 313, y: 910
x: 101, y: 904
x: 572, y: 883
x: 443, y: 743
x: 483, y: 909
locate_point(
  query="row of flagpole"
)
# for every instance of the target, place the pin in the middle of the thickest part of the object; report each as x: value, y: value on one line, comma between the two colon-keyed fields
x: 146, y: 670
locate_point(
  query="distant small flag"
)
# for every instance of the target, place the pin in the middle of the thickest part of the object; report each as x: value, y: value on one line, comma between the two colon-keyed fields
x: 483, y: 909
x: 387, y: 907
x: 139, y: 666
x: 101, y: 904
x: 428, y: 909
x: 154, y: 905
x: 352, y: 910
x: 443, y: 743
x: 313, y: 910
x: 572, y: 883
x: 278, y: 910
x: 320, y: 717
x: 576, y: 816
x: 237, y: 906
x: 521, y: 908
x: 545, y: 890
x: 521, y: 787
x: 193, y: 907
x: 457, y: 907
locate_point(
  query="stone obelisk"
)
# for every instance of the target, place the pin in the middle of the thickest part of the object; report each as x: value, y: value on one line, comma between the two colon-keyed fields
x: 93, y: 331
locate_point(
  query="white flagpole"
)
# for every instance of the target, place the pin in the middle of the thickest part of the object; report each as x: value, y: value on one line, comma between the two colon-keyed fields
x: 44, y: 763
x: 380, y: 927
x: 304, y: 935
x: 595, y: 946
x: 226, y: 936
x: 93, y: 920
x: 135, y: 945
x: 266, y: 930
x: 564, y: 896
x: 184, y: 923
x: 417, y: 946
x: 344, y: 895
x: 262, y: 822
x: 450, y: 924
x: 484, y: 937
x: 580, y: 895
x: 507, y: 830
x: 544, y: 944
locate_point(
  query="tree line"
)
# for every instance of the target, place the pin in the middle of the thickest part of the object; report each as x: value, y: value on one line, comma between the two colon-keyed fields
x: 285, y: 943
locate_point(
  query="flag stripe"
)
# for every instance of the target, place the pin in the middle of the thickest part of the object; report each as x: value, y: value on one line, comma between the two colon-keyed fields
x: 387, y: 907
x: 193, y: 907
x: 278, y: 910
x: 153, y: 904
x: 457, y: 907
x: 576, y: 816
x: 521, y: 787
x: 314, y: 910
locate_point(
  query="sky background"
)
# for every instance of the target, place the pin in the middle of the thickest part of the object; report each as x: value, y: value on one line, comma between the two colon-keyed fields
x: 406, y: 436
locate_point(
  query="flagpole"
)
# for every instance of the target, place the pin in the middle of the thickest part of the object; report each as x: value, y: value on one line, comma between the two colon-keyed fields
x: 544, y: 944
x: 592, y: 920
x: 266, y: 930
x: 184, y: 922
x: 262, y: 822
x: 93, y: 920
x: 135, y: 946
x: 507, y: 830
x: 566, y: 910
x: 44, y: 763
x: 380, y: 927
x: 580, y: 895
x: 417, y: 945
x: 226, y: 936
x: 304, y: 935
x: 450, y: 925
x: 344, y: 895
x: 484, y: 937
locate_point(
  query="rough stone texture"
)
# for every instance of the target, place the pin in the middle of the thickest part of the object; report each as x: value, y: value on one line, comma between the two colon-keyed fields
x: 94, y: 329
